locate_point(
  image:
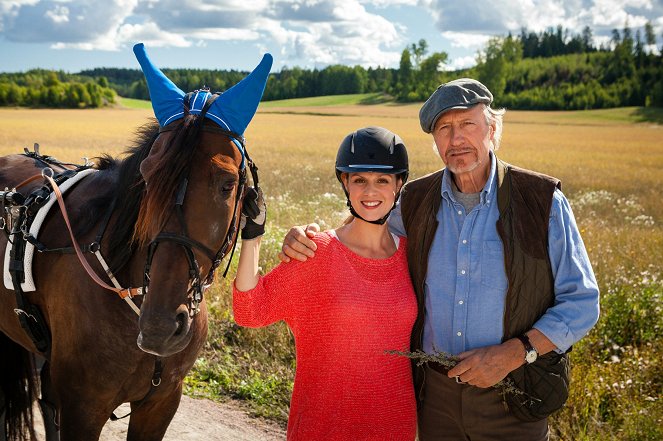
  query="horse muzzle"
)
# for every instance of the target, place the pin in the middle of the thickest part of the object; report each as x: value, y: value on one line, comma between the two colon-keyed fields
x: 164, y: 334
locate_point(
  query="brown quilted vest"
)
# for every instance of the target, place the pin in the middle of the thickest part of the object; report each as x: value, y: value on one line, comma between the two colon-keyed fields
x: 524, y: 199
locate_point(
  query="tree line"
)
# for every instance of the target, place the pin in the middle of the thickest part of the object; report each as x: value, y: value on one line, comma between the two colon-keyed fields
x: 46, y: 88
x: 552, y: 69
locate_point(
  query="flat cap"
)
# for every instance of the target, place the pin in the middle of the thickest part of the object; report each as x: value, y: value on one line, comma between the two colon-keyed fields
x: 462, y: 93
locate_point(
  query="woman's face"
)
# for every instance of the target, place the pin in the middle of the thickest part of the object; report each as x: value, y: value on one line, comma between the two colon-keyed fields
x: 372, y: 194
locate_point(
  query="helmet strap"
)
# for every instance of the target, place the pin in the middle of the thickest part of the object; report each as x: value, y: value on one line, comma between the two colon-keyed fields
x: 380, y: 221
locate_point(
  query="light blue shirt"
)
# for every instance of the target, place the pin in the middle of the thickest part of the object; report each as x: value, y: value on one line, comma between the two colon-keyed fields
x: 466, y: 283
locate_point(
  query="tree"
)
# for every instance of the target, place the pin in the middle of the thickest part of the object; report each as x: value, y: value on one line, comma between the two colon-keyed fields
x: 404, y: 75
x: 428, y: 76
x: 418, y: 52
x: 494, y: 64
x: 587, y: 39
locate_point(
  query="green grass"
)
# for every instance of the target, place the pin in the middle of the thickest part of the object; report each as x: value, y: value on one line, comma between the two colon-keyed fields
x: 131, y: 103
x: 331, y: 100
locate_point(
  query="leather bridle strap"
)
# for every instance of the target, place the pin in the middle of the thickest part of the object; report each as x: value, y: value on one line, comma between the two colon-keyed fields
x: 124, y: 293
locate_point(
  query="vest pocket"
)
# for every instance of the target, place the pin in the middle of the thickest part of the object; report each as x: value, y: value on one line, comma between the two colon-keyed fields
x: 492, y: 265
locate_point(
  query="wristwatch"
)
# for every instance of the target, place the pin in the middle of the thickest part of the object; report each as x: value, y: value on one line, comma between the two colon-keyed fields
x: 530, y: 353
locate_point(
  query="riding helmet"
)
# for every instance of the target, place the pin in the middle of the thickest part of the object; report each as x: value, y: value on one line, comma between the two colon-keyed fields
x: 372, y: 149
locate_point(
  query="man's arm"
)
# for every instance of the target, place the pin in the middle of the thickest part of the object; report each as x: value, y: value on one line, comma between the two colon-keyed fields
x: 576, y: 308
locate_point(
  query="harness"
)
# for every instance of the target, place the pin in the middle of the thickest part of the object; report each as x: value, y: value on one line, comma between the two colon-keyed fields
x: 17, y: 212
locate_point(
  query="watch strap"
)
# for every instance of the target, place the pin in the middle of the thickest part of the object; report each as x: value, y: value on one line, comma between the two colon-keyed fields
x: 525, y: 339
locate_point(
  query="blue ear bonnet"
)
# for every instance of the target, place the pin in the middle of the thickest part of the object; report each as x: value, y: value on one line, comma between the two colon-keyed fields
x: 196, y: 101
x: 232, y: 110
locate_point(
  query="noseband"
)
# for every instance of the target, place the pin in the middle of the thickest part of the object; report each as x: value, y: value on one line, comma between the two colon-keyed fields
x: 198, y: 286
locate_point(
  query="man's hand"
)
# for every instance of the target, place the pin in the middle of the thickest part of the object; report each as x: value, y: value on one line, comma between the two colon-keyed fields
x: 485, y: 367
x: 254, y: 214
x: 297, y: 243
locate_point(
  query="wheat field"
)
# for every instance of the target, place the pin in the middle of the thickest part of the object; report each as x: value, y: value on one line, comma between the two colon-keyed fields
x: 611, y: 169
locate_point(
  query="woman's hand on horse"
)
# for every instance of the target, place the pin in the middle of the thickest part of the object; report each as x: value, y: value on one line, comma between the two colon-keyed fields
x: 298, y: 245
x: 254, y: 214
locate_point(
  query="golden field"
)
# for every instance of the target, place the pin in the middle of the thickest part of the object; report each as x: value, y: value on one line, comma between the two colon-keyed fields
x: 612, y: 172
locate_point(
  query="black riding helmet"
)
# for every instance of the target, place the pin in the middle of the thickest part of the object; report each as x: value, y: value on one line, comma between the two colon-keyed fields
x: 372, y: 149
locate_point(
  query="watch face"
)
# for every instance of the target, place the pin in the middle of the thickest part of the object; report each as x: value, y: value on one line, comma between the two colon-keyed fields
x: 530, y: 356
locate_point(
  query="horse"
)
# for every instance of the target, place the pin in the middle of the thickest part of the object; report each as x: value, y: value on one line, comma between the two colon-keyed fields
x: 161, y: 219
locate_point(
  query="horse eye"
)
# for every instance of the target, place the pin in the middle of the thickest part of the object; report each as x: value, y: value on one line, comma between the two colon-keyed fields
x: 228, y: 186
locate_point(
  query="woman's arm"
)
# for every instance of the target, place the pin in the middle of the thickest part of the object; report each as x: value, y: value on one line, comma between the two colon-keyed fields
x: 247, y: 269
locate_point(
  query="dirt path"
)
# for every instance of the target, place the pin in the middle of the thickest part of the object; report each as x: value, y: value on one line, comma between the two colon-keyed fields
x: 203, y: 420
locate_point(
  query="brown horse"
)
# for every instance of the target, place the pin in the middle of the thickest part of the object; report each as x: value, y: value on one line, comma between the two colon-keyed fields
x: 168, y: 213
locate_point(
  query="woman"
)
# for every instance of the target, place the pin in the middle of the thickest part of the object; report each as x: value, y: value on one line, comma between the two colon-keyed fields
x: 346, y: 307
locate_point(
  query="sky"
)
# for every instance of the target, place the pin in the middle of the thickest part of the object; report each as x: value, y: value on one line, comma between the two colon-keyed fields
x: 72, y: 35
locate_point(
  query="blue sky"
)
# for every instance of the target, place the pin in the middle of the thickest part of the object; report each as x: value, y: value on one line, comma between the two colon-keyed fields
x: 72, y: 35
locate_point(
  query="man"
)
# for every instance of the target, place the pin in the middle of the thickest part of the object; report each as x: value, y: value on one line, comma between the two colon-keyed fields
x: 501, y: 273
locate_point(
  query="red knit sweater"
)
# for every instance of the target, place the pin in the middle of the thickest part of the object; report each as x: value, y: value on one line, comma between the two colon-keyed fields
x: 345, y: 311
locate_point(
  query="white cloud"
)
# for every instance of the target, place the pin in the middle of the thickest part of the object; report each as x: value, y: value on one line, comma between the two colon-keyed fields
x: 310, y: 32
x: 329, y: 32
x: 71, y: 23
x: 487, y: 17
x: 151, y: 35
x: 385, y: 3
x: 466, y: 40
x: 59, y: 14
x: 460, y: 63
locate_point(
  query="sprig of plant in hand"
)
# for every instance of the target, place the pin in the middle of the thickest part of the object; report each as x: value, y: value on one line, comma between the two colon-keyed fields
x: 449, y: 361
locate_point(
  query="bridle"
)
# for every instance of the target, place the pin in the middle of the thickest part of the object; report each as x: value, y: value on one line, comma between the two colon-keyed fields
x: 198, y: 285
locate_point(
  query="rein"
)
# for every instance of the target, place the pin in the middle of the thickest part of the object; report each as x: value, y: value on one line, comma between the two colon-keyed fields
x: 124, y: 293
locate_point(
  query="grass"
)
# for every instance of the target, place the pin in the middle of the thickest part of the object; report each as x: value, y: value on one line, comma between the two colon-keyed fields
x: 331, y: 100
x: 610, y: 164
x: 131, y: 103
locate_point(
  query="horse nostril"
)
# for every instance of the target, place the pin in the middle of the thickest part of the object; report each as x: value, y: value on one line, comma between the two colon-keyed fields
x: 181, y: 319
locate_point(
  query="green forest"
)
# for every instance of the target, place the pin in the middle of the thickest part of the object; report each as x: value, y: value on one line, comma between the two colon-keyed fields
x: 549, y: 70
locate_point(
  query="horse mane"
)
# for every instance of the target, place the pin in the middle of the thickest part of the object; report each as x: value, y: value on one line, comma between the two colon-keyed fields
x: 140, y: 214
x: 170, y: 167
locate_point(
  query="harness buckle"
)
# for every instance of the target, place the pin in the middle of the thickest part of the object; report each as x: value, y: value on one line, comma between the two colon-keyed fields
x: 47, y: 172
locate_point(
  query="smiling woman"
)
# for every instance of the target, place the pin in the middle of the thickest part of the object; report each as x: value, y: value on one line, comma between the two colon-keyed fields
x: 346, y: 307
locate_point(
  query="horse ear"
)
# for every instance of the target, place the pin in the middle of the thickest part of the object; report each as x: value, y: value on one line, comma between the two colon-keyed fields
x: 237, y: 105
x: 166, y: 97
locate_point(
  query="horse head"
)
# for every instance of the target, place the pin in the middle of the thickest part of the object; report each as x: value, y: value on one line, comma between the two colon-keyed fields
x: 194, y: 179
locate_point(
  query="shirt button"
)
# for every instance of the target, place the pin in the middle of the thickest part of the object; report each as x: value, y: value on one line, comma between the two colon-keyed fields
x: 459, y: 333
x: 460, y: 212
x: 460, y: 302
x: 462, y: 272
x: 464, y: 241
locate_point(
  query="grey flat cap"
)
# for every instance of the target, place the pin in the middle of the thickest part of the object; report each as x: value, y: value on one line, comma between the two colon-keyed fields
x: 462, y: 93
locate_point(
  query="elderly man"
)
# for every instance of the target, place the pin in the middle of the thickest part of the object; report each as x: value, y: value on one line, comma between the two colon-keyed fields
x: 502, y: 277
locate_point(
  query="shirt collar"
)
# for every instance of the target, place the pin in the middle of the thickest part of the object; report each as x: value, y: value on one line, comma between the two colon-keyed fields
x: 488, y: 189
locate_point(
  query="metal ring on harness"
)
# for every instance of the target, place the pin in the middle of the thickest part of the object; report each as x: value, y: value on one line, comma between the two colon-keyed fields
x: 47, y: 172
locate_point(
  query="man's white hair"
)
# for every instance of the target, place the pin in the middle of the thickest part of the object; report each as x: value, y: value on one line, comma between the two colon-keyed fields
x: 495, y: 117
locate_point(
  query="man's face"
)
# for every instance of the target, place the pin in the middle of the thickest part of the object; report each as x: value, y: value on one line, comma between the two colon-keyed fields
x: 463, y: 139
